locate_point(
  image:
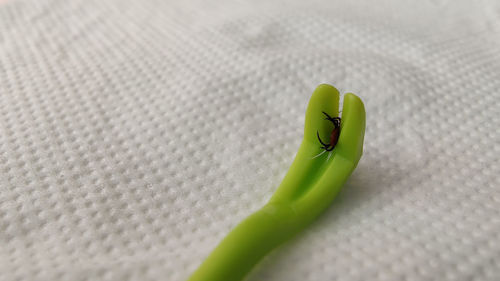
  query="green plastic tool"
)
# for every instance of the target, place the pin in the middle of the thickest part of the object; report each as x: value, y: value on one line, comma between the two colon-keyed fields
x: 309, y: 187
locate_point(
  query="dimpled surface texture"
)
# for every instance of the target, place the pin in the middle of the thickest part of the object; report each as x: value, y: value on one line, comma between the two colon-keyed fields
x: 135, y: 134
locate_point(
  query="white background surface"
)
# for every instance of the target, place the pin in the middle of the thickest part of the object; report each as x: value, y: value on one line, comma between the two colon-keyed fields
x: 135, y: 134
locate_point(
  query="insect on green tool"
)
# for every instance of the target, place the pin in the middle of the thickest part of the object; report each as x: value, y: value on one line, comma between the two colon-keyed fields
x: 318, y: 172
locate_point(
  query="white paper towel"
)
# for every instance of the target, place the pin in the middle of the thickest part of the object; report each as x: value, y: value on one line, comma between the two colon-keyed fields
x: 135, y: 134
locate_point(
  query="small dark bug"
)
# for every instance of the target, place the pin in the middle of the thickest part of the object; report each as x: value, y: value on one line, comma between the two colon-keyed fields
x: 334, y: 136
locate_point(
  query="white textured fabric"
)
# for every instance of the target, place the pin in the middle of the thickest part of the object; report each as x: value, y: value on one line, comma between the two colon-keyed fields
x: 135, y: 134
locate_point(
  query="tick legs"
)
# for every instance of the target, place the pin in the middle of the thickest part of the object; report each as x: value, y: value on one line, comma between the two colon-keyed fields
x: 325, y: 146
x: 334, y: 120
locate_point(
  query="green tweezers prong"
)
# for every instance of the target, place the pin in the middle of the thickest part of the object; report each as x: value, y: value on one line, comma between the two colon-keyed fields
x: 309, y: 187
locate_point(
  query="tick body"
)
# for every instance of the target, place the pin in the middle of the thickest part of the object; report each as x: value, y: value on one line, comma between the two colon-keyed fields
x: 334, y: 135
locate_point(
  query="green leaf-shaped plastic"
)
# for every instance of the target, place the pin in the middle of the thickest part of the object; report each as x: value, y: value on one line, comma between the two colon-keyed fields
x: 309, y: 187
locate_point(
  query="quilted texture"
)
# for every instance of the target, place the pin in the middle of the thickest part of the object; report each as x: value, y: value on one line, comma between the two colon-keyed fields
x: 135, y: 134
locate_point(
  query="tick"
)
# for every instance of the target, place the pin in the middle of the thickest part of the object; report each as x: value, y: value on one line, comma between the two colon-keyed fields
x: 334, y: 135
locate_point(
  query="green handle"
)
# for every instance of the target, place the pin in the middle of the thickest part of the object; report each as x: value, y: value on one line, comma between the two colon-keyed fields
x: 309, y: 187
